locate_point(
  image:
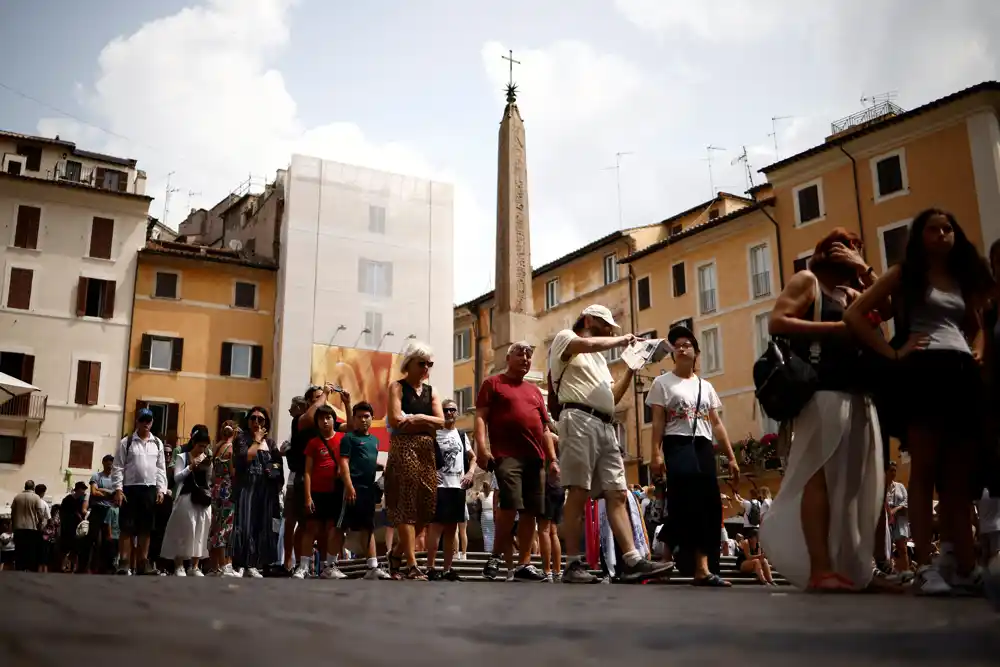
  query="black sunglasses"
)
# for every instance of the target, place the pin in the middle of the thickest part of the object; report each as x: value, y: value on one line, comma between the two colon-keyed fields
x: 423, y: 363
x: 255, y: 418
x: 451, y: 409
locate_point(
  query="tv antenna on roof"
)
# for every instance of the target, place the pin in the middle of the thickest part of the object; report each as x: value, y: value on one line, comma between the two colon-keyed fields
x: 166, y: 198
x: 774, y: 133
x: 711, y: 178
x: 618, y: 182
x: 742, y: 157
x: 881, y: 98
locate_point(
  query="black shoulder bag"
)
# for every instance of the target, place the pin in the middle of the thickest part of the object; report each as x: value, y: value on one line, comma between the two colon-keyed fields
x: 783, y: 380
x: 682, y: 459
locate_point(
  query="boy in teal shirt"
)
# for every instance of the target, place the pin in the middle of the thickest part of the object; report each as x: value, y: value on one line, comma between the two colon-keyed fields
x: 358, y: 465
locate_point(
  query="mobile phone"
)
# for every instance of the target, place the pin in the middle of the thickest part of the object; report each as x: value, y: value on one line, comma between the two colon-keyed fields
x: 337, y: 388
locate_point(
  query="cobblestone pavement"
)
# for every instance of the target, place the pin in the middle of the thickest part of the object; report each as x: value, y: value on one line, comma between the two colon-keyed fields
x: 60, y: 620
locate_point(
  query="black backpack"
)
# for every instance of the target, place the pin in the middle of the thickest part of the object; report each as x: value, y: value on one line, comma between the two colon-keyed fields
x: 753, y: 514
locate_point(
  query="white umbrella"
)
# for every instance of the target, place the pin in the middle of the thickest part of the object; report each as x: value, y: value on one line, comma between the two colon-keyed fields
x: 11, y: 387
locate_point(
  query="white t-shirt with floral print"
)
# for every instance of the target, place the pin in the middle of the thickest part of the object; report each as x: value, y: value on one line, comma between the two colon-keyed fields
x: 678, y: 397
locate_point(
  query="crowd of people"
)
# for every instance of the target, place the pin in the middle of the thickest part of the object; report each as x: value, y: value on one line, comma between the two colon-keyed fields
x: 840, y: 521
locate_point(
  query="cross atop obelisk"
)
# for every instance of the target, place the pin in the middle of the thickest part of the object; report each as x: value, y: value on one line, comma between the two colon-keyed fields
x: 512, y: 315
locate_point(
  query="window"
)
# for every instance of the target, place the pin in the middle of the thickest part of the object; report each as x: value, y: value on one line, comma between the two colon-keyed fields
x: 229, y: 413
x: 20, y: 366
x: 463, y: 397
x: 808, y: 203
x: 165, y: 416
x: 95, y: 298
x: 761, y: 335
x: 649, y: 335
x: 19, y: 288
x: 13, y: 449
x: 642, y: 293
x: 760, y: 271
x: 676, y: 229
x: 81, y: 454
x: 463, y: 345
x: 245, y: 295
x: 375, y: 278
x: 102, y: 233
x: 706, y: 288
x: 610, y: 268
x: 552, y: 294
x: 711, y: 354
x: 713, y: 214
x: 647, y: 412
x: 34, y: 155
x: 161, y: 353
x: 88, y: 382
x: 614, y: 354
x: 894, y: 244
x: 889, y: 175
x: 621, y: 435
x: 373, y: 325
x: 111, y: 179
x: 165, y: 285
x: 802, y: 263
x: 73, y: 171
x: 242, y: 360
x: 376, y: 219
x: 680, y: 279
x: 26, y: 230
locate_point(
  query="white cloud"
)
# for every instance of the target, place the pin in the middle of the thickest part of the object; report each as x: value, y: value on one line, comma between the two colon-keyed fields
x: 195, y: 94
x: 715, y: 20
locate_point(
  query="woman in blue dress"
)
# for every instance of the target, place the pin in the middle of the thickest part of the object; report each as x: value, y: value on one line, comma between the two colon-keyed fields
x: 259, y: 479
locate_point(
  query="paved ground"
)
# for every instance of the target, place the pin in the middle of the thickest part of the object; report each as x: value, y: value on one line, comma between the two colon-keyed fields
x: 58, y: 620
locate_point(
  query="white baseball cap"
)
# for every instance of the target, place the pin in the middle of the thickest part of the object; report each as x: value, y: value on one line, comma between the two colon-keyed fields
x: 601, y: 312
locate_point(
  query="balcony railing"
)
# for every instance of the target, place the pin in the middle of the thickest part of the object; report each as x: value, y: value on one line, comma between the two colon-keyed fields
x: 30, y: 407
x: 883, y: 108
x: 708, y: 301
x: 761, y: 284
x: 101, y: 178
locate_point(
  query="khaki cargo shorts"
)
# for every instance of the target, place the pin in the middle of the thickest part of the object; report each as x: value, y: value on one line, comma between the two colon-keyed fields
x: 589, y: 455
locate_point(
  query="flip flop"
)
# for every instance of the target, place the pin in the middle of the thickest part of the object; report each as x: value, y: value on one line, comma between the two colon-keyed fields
x: 711, y: 581
x: 830, y: 582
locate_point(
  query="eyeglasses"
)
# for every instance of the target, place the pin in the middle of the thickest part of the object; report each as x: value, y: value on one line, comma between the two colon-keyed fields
x: 423, y: 363
x: 683, y: 346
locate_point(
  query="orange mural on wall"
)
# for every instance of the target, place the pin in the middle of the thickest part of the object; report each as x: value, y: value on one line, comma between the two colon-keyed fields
x: 365, y: 375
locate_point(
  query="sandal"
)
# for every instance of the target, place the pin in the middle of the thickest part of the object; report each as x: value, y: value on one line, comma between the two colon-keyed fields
x: 395, y: 563
x: 830, y: 582
x: 414, y: 573
x: 711, y: 581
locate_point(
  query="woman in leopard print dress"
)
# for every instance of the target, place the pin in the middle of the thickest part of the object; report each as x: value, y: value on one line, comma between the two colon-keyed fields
x: 411, y: 472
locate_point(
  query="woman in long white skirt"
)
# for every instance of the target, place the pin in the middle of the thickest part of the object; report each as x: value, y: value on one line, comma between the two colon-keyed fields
x: 186, y: 535
x: 820, y: 530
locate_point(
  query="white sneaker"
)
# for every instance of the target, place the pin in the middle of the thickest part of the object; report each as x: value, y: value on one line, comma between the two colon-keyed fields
x: 179, y: 572
x: 930, y: 582
x: 331, y: 571
x: 195, y: 572
x: 510, y: 575
x: 462, y: 556
x: 549, y: 578
x: 378, y: 573
x: 300, y: 573
x: 227, y: 571
x: 253, y: 573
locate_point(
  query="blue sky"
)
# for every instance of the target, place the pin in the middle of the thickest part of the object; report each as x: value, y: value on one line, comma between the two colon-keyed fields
x: 215, y: 89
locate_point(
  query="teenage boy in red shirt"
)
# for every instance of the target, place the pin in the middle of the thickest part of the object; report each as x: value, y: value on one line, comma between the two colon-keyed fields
x: 323, y: 492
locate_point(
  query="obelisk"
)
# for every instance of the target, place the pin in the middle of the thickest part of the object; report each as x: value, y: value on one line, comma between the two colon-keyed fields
x: 512, y: 316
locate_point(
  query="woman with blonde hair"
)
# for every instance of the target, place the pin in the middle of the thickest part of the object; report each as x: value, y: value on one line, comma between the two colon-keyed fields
x: 414, y: 417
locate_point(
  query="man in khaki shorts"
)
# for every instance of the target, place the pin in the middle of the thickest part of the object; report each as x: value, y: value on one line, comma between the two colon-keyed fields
x: 590, y: 459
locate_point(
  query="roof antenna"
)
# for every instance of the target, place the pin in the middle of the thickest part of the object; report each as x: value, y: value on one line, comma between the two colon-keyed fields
x: 618, y: 183
x: 746, y: 164
x: 774, y: 133
x: 711, y: 178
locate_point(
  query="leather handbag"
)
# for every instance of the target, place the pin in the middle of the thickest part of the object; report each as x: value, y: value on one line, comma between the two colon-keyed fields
x: 784, y: 382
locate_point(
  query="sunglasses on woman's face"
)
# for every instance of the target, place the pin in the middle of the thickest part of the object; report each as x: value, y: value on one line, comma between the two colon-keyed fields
x: 423, y: 363
x: 256, y: 418
x: 447, y: 410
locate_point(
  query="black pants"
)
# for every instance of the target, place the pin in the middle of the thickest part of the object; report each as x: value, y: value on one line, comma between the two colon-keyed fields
x: 27, y: 550
x: 694, y: 505
x: 91, y: 547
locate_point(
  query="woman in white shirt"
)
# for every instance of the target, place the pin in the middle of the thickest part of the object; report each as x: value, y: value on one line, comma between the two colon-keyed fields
x: 186, y: 535
x: 685, y: 420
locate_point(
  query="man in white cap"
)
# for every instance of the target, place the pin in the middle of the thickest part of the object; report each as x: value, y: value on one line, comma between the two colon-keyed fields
x: 590, y: 459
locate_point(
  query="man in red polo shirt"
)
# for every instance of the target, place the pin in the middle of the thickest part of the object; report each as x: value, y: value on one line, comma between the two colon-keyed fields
x: 513, y: 412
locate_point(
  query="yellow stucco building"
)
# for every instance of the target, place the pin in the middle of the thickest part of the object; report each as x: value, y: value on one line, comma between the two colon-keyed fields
x: 201, y: 348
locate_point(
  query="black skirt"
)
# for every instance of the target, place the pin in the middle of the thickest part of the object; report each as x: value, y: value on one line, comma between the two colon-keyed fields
x: 694, y: 505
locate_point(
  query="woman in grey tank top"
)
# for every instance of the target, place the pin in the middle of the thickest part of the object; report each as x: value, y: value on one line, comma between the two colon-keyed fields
x: 938, y: 293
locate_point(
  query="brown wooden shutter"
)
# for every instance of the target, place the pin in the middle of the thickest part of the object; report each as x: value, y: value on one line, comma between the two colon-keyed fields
x: 20, y: 450
x: 173, y: 410
x: 82, y: 382
x: 102, y: 233
x: 81, y: 297
x: 122, y: 181
x: 109, y: 300
x: 99, y: 177
x: 27, y: 368
x: 177, y: 354
x: 145, y: 351
x: 19, y: 291
x: 94, y: 386
x: 26, y: 231
x: 256, y: 361
x: 81, y: 454
x: 227, y: 359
